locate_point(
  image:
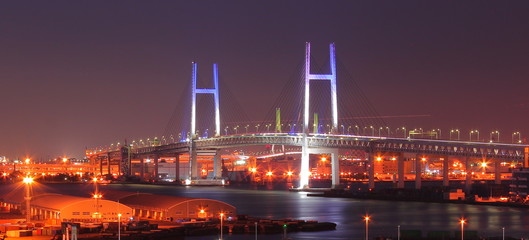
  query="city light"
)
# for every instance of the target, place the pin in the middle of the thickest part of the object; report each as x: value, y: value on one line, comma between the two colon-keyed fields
x: 462, y: 221
x: 27, y: 180
x: 366, y: 219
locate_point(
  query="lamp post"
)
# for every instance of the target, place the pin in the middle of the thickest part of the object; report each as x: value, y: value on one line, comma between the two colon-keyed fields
x: 366, y: 219
x: 398, y: 232
x: 472, y: 133
x: 343, y: 129
x: 28, y: 181
x: 462, y: 221
x: 357, y: 130
x: 349, y: 130
x: 119, y: 226
x: 497, y: 136
x: 255, y: 230
x: 503, y: 233
x: 403, y: 131
x: 221, y: 221
x: 257, y: 128
x: 438, y: 132
x: 454, y: 131
x: 519, y: 137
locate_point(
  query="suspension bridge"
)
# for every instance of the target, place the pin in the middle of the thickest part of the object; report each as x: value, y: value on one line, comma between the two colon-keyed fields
x: 309, y: 137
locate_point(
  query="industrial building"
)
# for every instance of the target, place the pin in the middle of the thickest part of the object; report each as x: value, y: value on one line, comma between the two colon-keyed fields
x: 55, y: 208
x: 171, y: 208
x: 106, y: 207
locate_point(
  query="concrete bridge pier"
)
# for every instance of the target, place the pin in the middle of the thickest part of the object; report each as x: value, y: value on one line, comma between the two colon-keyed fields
x: 446, y: 165
x: 371, y: 170
x: 156, y: 159
x: 400, y: 171
x: 142, y: 168
x: 193, y: 163
x: 177, y: 166
x: 468, y: 177
x: 217, y: 165
x: 335, y: 163
x: 497, y: 172
x: 335, y: 171
x: 109, y: 158
x: 418, y: 171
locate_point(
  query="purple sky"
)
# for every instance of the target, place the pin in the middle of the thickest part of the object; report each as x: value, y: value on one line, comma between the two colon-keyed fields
x: 78, y: 74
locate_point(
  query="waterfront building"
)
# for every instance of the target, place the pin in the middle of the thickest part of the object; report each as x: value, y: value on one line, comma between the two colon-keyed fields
x: 55, y: 208
x: 171, y: 208
x: 519, y: 186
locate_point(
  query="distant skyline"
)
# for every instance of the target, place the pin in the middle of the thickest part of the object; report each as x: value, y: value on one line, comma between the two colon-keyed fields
x: 86, y: 74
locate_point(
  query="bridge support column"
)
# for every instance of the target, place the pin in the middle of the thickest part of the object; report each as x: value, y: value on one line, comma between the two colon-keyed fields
x: 108, y: 166
x: 217, y: 165
x: 371, y: 170
x: 193, y: 163
x: 526, y: 157
x: 468, y: 177
x: 335, y: 168
x: 400, y: 171
x: 177, y: 167
x: 418, y: 171
x: 142, y: 169
x: 446, y: 164
x: 497, y: 171
x: 100, y: 165
x: 335, y: 162
x: 155, y: 171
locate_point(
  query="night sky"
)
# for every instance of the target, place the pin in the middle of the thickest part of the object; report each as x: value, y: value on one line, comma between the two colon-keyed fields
x: 78, y: 74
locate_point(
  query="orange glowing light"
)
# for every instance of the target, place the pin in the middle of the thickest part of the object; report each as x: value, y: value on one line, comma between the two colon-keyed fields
x: 269, y: 173
x: 65, y: 160
x: 289, y: 173
x: 323, y: 159
x: 379, y: 159
x: 28, y: 180
x: 253, y: 170
x: 484, y: 164
x: 27, y: 160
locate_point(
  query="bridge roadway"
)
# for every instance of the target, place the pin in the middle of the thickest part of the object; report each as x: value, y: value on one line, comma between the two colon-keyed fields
x: 370, y: 144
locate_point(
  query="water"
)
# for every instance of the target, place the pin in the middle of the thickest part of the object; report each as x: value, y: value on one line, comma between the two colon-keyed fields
x: 347, y: 213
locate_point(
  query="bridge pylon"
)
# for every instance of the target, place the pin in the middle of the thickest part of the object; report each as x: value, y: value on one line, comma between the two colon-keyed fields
x: 193, y: 168
x: 305, y: 166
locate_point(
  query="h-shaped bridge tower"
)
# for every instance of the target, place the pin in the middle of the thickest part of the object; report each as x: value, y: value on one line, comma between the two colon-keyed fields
x: 305, y: 166
x: 193, y: 165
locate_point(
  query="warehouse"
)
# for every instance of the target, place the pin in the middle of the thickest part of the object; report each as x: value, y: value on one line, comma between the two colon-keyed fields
x: 57, y: 207
x: 161, y: 207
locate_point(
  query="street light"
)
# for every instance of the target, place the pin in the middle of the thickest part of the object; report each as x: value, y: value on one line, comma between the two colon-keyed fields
x: 474, y: 132
x: 366, y: 218
x: 119, y: 226
x: 28, y: 181
x: 519, y: 137
x: 403, y: 131
x: 438, y: 132
x: 462, y: 221
x: 453, y: 131
x: 221, y: 221
x: 497, y: 135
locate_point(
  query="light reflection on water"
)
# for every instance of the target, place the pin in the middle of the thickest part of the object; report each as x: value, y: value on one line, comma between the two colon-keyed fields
x: 347, y: 213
